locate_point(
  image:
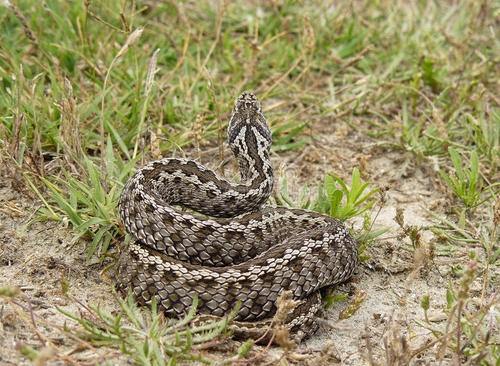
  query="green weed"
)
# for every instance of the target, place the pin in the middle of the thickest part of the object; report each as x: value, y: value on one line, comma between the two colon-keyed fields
x: 468, y: 332
x: 88, y: 205
x: 343, y: 203
x: 354, y: 199
x: 147, y: 335
x: 416, y: 136
x: 466, y: 183
x: 142, y: 333
x: 287, y: 136
x: 485, y: 136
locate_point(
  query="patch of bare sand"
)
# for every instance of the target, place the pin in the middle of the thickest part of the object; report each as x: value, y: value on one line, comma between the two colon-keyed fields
x: 36, y: 259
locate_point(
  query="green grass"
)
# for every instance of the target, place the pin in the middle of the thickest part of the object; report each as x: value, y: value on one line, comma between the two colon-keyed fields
x: 467, y: 184
x: 147, y: 335
x: 143, y: 334
x: 82, y: 104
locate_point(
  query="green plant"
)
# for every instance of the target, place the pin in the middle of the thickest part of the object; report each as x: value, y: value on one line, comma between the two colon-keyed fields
x: 466, y: 183
x: 484, y: 133
x: 142, y: 333
x: 416, y: 136
x: 468, y: 332
x: 287, y: 136
x: 353, y: 205
x: 283, y: 197
x: 88, y: 204
x: 151, y: 338
x: 330, y: 200
x: 431, y: 75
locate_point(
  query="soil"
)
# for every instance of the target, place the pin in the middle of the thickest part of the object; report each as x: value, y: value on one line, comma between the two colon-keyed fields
x: 38, y: 257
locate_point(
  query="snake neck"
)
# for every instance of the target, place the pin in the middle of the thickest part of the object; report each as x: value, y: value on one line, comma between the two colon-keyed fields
x: 253, y: 158
x: 250, y: 140
x: 169, y: 182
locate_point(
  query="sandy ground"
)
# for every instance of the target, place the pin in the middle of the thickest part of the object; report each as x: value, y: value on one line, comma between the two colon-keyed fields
x: 36, y: 258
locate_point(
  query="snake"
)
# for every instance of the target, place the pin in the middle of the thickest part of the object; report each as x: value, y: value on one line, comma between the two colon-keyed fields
x: 198, y: 235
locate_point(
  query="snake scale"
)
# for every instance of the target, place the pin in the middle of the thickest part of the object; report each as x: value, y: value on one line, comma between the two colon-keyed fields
x: 228, y: 246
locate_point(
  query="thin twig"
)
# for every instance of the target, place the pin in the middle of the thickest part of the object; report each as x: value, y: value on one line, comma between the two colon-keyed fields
x: 220, y: 137
x: 147, y: 92
x: 496, y: 222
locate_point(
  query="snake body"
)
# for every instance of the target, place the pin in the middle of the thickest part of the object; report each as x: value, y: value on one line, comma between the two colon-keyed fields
x: 240, y: 251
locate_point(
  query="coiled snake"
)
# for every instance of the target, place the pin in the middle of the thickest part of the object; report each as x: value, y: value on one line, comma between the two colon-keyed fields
x: 242, y: 251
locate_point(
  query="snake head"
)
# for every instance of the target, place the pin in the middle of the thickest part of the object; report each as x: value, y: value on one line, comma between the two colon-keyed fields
x: 247, y: 103
x: 248, y: 125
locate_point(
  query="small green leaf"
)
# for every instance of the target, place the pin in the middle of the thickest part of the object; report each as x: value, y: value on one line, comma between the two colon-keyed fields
x: 335, y: 200
x: 457, y: 163
x: 28, y: 352
x: 424, y: 303
x: 330, y: 186
x: 244, y: 349
x: 449, y: 299
x: 64, y: 286
x: 354, y: 305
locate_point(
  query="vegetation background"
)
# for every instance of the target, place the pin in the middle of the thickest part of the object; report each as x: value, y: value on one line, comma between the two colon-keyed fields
x: 403, y: 95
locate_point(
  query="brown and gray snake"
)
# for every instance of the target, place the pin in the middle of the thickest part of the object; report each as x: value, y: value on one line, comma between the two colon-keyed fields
x: 228, y: 246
